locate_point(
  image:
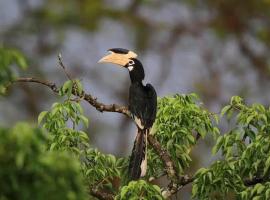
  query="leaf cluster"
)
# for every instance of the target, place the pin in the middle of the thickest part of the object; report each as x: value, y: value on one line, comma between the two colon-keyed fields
x: 62, y: 122
x: 9, y: 58
x: 246, y: 158
x: 139, y: 190
x: 54, y: 163
x: 179, y: 119
x: 28, y: 171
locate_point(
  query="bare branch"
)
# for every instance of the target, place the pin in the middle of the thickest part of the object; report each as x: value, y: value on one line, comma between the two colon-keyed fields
x: 49, y: 84
x: 87, y: 97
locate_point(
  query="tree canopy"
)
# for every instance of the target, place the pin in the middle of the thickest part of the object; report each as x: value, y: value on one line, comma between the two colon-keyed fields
x: 52, y: 158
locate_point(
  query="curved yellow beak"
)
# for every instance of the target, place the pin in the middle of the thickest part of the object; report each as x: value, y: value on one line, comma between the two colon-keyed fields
x: 118, y: 58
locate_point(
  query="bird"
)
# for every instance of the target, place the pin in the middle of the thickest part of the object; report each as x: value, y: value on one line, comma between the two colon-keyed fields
x: 142, y: 104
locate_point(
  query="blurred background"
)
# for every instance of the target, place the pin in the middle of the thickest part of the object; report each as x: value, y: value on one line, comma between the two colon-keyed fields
x: 216, y: 48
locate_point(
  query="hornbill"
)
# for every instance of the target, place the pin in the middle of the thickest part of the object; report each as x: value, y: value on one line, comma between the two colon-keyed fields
x: 142, y: 106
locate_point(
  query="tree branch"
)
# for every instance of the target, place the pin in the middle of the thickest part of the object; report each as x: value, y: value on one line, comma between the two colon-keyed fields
x: 165, y: 157
x: 254, y: 181
x: 176, y: 182
x: 87, y: 97
x: 101, y: 195
x: 173, y: 188
x: 49, y: 84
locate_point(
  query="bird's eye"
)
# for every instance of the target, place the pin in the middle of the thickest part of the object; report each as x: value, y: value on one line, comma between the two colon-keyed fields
x: 131, y: 62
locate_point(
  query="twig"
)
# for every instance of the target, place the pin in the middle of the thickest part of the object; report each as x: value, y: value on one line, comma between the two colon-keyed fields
x: 49, y: 84
x: 87, y: 97
x: 63, y: 66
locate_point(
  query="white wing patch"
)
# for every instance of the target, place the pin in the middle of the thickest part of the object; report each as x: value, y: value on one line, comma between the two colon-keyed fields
x: 144, y: 167
x: 144, y: 161
x: 138, y: 122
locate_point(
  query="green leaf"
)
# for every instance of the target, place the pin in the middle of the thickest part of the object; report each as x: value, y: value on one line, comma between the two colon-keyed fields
x: 260, y: 188
x: 263, y: 117
x: 191, y: 138
x: 225, y: 110
x: 79, y: 87
x: 84, y: 135
x: 20, y: 159
x: 267, y: 165
x: 84, y: 120
x: 194, y: 190
x: 218, y: 145
x: 53, y: 145
x: 202, y: 131
x: 244, y: 195
x: 201, y: 171
x: 67, y: 87
x: 20, y: 60
x: 157, y: 188
x: 267, y: 194
x: 41, y: 116
x: 216, y: 118
x: 249, y: 119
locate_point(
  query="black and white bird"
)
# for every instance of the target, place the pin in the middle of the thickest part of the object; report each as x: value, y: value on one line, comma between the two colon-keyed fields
x: 142, y: 106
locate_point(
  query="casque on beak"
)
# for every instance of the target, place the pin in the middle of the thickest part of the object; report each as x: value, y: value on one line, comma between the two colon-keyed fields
x: 118, y: 58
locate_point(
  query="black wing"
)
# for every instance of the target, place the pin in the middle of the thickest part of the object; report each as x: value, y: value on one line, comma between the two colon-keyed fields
x: 151, y: 105
x: 143, y: 103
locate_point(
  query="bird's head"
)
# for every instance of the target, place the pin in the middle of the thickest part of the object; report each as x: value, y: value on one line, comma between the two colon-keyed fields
x: 127, y: 59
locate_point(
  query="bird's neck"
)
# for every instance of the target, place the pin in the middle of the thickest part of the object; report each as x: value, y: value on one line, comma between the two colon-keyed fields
x: 135, y: 79
x: 137, y: 74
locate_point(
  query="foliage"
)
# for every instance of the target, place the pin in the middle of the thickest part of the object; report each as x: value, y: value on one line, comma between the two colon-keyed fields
x: 178, y: 118
x: 8, y: 58
x: 245, y: 169
x: 61, y: 122
x: 139, y: 189
x: 61, y: 164
x: 100, y: 170
x: 56, y: 122
x: 28, y: 171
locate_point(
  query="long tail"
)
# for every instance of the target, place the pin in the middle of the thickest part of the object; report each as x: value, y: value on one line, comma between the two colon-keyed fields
x: 138, y: 160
